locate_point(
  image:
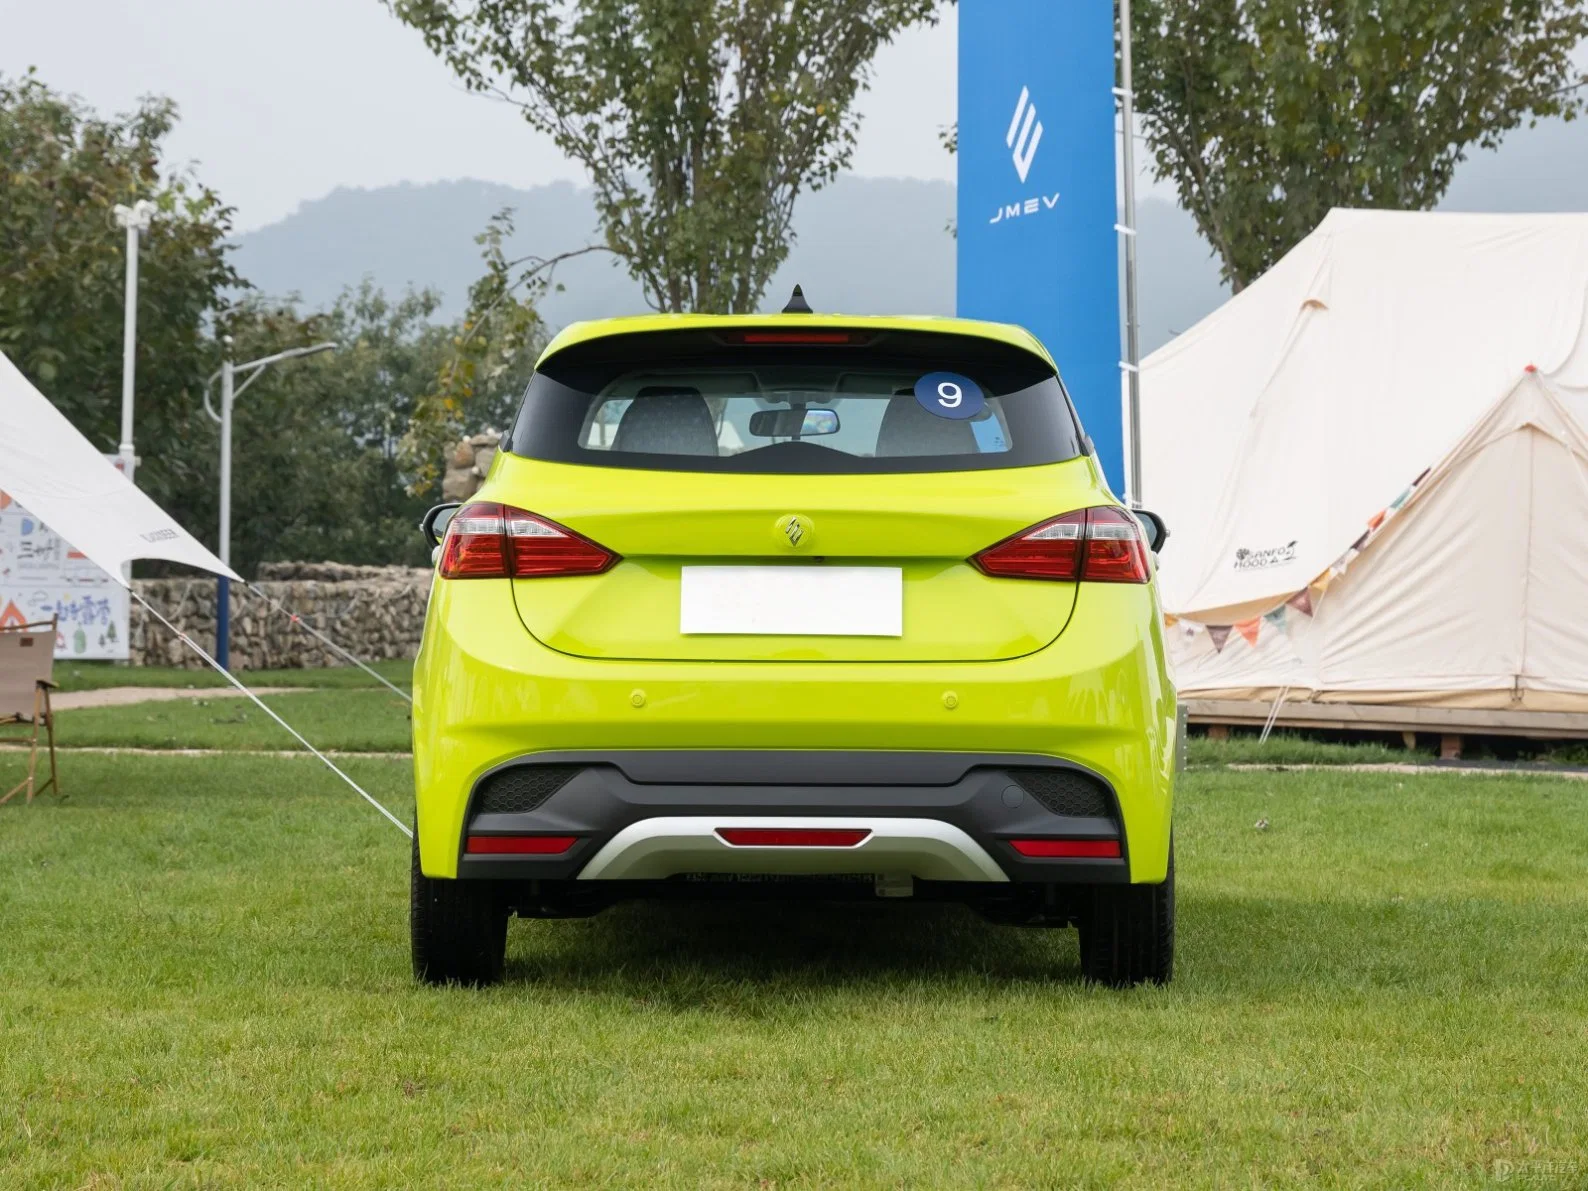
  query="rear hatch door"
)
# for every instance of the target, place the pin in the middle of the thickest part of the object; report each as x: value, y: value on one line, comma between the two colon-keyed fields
x: 923, y: 526
x: 855, y: 469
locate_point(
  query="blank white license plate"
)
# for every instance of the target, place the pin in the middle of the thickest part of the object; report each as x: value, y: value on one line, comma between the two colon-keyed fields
x: 793, y: 601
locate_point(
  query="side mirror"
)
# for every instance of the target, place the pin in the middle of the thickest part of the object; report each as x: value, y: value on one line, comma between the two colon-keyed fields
x: 1152, y: 525
x: 435, y: 522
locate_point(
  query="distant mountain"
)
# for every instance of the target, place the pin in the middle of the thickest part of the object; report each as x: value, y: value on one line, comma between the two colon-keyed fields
x: 864, y: 245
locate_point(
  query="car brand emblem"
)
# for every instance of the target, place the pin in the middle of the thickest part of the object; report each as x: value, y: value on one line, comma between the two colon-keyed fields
x: 796, y: 532
x: 1025, y: 133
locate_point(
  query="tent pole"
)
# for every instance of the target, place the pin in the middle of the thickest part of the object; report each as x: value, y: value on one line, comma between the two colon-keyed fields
x: 1127, y: 100
x: 223, y: 610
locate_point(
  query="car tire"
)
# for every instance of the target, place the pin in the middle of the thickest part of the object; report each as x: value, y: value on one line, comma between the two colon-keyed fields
x: 458, y: 929
x: 1127, y: 933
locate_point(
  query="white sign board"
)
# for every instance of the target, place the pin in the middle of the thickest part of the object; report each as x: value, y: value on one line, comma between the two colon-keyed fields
x: 42, y: 576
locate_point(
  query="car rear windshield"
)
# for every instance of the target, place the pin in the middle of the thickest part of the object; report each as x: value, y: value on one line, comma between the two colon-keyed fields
x: 750, y: 400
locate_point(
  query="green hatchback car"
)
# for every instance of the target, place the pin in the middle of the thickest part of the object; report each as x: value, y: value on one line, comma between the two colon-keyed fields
x: 794, y: 606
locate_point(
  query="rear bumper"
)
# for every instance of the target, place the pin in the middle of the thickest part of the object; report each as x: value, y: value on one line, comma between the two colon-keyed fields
x: 655, y: 815
x: 687, y: 846
x: 488, y: 695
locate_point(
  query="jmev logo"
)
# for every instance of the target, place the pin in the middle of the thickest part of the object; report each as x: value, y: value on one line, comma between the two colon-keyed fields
x: 1025, y: 133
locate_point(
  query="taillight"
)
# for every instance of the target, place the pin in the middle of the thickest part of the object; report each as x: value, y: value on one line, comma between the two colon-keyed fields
x: 1101, y: 545
x: 493, y: 541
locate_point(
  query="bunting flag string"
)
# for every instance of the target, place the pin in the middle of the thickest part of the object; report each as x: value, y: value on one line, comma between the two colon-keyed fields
x: 1304, y: 602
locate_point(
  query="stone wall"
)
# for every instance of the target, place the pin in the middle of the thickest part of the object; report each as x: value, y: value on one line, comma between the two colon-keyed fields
x: 467, y: 464
x: 372, y: 612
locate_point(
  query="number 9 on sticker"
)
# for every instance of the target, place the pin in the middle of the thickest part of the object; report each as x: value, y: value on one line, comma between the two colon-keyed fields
x: 950, y: 395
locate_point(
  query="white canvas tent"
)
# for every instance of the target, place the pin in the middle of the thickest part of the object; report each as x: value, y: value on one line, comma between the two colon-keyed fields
x: 50, y: 469
x: 1374, y: 461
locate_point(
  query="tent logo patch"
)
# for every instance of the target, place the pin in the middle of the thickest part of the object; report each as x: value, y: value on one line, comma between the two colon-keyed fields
x: 1262, y: 560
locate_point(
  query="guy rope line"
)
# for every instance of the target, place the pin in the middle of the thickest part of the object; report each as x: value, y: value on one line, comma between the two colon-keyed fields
x: 324, y: 640
x: 231, y: 678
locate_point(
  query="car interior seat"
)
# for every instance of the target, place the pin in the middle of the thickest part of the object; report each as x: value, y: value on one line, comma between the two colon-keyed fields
x: 665, y: 420
x: 908, y: 429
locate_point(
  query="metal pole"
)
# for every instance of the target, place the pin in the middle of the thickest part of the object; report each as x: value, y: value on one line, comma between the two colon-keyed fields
x: 1127, y: 98
x: 129, y: 343
x: 229, y: 393
x: 223, y: 611
x: 135, y: 219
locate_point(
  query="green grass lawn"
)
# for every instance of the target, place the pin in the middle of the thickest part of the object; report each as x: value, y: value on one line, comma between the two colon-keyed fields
x: 1286, y: 748
x: 373, y: 720
x: 205, y: 983
x: 1297, y: 748
x: 93, y: 676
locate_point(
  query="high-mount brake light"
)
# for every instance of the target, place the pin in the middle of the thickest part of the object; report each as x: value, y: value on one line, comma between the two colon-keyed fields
x: 776, y: 337
x: 1100, y: 545
x: 486, y: 540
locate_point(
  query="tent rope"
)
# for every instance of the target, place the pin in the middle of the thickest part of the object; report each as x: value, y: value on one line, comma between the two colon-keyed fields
x: 324, y: 640
x: 1273, y: 712
x: 232, y: 678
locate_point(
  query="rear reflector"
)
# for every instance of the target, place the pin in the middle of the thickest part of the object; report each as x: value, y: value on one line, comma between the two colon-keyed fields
x: 492, y: 541
x: 793, y: 837
x: 1105, y: 849
x: 1101, y: 545
x: 519, y: 845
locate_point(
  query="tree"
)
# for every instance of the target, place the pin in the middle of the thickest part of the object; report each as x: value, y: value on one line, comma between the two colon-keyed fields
x: 494, y: 348
x: 1268, y: 113
x: 317, y: 471
x: 699, y: 121
x: 62, y: 262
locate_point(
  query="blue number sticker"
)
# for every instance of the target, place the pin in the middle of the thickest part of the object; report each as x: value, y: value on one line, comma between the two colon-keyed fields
x: 950, y: 395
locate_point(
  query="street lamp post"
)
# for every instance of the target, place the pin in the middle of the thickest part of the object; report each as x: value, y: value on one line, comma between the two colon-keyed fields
x: 230, y: 391
x: 135, y: 219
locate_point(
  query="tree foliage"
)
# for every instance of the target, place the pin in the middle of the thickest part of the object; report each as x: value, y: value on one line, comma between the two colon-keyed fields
x: 699, y: 121
x: 62, y: 267
x: 318, y: 469
x: 1267, y: 113
x: 494, y: 347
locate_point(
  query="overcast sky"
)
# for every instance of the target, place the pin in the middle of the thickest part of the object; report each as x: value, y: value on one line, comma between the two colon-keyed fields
x: 285, y: 100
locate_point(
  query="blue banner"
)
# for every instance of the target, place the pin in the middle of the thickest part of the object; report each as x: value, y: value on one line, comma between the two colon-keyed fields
x: 1037, y: 244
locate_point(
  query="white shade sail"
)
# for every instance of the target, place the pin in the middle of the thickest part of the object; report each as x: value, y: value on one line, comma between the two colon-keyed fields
x: 50, y: 469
